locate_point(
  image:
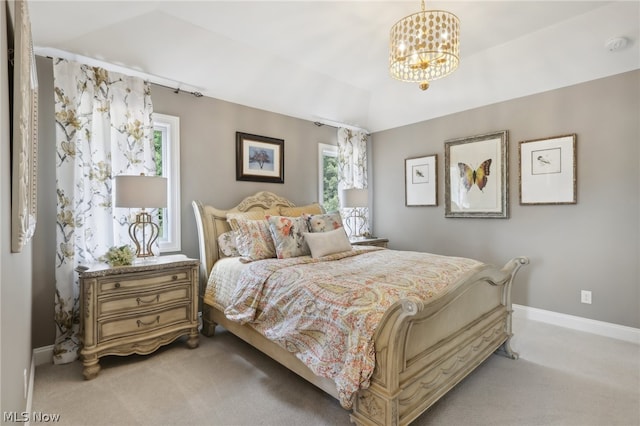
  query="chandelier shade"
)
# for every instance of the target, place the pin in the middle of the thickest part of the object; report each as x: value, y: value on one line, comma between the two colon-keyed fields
x: 424, y: 46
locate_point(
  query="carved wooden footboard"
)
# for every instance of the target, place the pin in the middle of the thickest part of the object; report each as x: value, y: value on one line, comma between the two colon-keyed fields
x: 422, y: 351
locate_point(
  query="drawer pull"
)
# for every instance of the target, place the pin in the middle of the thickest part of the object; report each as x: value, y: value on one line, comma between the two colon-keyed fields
x: 142, y: 323
x: 117, y: 285
x: 153, y: 299
x: 174, y: 277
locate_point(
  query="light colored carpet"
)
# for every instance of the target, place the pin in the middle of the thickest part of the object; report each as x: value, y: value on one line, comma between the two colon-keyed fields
x: 563, y: 377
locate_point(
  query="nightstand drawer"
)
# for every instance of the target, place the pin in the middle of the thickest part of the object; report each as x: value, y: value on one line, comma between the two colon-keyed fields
x: 111, y: 329
x: 150, y: 299
x: 127, y: 282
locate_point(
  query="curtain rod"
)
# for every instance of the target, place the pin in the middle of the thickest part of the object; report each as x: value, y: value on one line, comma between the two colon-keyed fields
x: 52, y: 53
x: 177, y: 90
x: 337, y: 125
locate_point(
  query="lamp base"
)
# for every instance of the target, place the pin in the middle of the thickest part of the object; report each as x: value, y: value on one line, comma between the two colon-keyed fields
x: 356, y: 223
x: 148, y: 231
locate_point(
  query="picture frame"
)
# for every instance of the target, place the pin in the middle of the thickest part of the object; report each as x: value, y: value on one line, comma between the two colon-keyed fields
x: 421, y: 178
x: 259, y: 158
x: 24, y: 131
x: 548, y: 170
x: 476, y: 176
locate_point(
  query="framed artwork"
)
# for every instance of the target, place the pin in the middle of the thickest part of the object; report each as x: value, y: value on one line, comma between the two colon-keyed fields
x: 421, y: 177
x: 259, y: 158
x: 476, y: 176
x: 548, y: 170
x: 25, y: 133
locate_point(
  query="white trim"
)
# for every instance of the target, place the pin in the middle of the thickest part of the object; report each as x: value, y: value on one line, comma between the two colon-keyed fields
x: 170, y: 126
x: 43, y: 355
x: 601, y: 328
x: 29, y: 390
x: 329, y: 150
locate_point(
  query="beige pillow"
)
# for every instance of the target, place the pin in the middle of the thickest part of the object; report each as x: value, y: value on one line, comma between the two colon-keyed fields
x: 235, y: 217
x: 326, y: 243
x: 299, y: 211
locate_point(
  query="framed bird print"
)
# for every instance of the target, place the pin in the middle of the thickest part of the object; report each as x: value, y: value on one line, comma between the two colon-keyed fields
x: 548, y: 170
x: 421, y: 177
x: 476, y: 176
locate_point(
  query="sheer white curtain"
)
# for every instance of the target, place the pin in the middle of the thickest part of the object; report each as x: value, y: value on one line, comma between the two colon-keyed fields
x: 104, y: 128
x: 352, y: 167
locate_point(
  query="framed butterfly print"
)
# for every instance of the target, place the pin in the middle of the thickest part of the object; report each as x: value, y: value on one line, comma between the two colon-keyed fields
x: 421, y: 177
x: 548, y: 170
x: 476, y: 176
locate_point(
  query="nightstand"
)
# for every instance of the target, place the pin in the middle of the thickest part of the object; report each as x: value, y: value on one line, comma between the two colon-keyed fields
x: 369, y: 241
x: 136, y: 309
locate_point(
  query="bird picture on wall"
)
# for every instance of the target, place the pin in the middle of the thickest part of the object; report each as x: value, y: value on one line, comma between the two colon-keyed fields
x: 469, y: 176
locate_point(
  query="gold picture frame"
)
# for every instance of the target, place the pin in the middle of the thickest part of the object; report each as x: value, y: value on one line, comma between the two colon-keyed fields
x: 476, y: 176
x: 421, y: 181
x: 24, y: 133
x: 548, y: 170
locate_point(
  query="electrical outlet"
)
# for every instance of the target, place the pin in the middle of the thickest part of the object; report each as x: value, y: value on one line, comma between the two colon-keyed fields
x: 585, y: 297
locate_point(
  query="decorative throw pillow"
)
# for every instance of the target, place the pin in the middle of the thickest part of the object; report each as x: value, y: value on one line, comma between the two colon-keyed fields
x: 288, y: 236
x: 227, y: 244
x: 235, y: 217
x: 324, y: 222
x: 254, y: 240
x: 299, y: 211
x: 326, y: 243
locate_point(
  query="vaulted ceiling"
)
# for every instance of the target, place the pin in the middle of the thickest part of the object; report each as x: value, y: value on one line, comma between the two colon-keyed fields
x: 328, y: 60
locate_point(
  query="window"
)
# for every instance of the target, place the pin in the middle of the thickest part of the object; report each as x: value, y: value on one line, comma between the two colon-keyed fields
x: 166, y: 137
x: 328, y: 177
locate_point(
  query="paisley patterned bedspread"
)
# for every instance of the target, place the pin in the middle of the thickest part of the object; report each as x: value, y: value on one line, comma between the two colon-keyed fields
x: 326, y: 310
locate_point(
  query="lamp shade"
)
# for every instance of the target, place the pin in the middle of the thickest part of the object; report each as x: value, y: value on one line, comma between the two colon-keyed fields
x: 141, y: 191
x: 355, y: 198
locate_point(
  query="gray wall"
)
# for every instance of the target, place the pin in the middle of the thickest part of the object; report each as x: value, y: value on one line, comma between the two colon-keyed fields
x: 592, y: 245
x: 207, y: 164
x: 15, y: 268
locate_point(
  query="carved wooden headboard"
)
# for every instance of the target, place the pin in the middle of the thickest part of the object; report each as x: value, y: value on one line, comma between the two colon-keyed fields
x: 212, y: 222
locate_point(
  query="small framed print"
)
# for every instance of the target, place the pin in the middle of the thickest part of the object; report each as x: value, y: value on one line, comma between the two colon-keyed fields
x: 548, y: 170
x: 476, y: 176
x: 259, y: 158
x: 421, y: 176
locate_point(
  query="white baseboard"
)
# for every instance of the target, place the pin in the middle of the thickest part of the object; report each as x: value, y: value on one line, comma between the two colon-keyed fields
x: 615, y: 331
x: 43, y: 355
x: 32, y: 378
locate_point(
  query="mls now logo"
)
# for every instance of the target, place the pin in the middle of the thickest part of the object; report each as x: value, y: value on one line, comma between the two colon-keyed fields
x: 26, y: 417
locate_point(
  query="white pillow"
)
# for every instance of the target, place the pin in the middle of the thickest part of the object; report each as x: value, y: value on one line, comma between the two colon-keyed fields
x: 326, y: 243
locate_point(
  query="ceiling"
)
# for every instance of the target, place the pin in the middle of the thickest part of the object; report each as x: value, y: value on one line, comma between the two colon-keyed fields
x: 328, y: 61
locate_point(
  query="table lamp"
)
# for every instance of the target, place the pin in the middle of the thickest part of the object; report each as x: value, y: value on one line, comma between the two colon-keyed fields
x: 355, y: 199
x: 142, y: 192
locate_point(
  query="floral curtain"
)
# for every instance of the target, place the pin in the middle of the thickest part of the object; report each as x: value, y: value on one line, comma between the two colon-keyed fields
x: 352, y: 170
x: 104, y: 128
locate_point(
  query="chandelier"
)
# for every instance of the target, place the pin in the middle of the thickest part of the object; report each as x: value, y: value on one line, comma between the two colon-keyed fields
x: 424, y: 46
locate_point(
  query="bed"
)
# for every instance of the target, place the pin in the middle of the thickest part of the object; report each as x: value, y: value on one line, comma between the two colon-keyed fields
x: 421, y: 348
